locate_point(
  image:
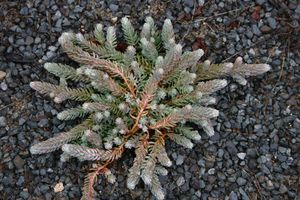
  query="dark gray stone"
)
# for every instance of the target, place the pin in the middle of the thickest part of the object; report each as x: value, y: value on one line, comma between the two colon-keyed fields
x: 244, y: 194
x: 231, y: 148
x: 198, y: 194
x: 113, y: 7
x: 283, y: 189
x: 272, y: 22
x: 241, y: 181
x: 24, y: 195
x: 260, y: 2
x: 24, y: 11
x: 43, y: 122
x: 19, y: 162
x: 44, y: 188
x: 249, y: 34
x: 189, y: 3
x: 20, y: 181
x: 298, y: 9
x: 21, y: 121
x: 78, y: 9
x: 180, y: 181
x: 29, y: 40
x: 2, y: 121
x: 179, y: 160
x: 233, y: 196
x: 255, y: 30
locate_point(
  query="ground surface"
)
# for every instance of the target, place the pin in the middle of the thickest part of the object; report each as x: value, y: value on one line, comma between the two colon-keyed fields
x: 255, y: 153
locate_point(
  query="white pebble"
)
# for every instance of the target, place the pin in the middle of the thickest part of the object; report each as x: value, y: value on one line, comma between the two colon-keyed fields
x: 241, y: 155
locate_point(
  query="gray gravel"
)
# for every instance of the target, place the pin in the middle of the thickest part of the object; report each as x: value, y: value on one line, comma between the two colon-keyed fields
x: 255, y: 151
x: 2, y: 121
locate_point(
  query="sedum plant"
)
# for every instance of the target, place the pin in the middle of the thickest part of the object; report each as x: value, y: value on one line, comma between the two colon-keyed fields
x: 134, y: 99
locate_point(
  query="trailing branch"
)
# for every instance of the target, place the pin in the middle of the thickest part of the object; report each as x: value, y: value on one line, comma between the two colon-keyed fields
x: 85, y: 153
x: 130, y: 34
x: 186, y: 113
x: 140, y: 152
x: 237, y: 70
x: 64, y: 71
x: 72, y: 113
x: 61, y: 93
x: 59, y: 140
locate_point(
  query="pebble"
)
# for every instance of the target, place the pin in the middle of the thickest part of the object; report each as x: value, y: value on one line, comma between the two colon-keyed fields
x: 221, y: 4
x: 29, y: 40
x: 24, y: 11
x: 2, y: 75
x: 257, y: 128
x: 37, y: 40
x: 113, y: 7
x: 270, y: 184
x: 202, y: 184
x: 21, y: 121
x: 58, y: 187
x: 251, y: 52
x: 231, y: 50
x: 2, y: 121
x: 265, y: 29
x: 211, y: 171
x: 189, y: 3
x: 255, y: 30
x: 20, y: 42
x: 260, y: 2
x: 241, y: 181
x: 283, y: 189
x: 272, y: 22
x: 282, y: 150
x: 249, y: 34
x: 24, y: 195
x: 43, y: 172
x: 114, y: 19
x: 201, y: 2
x: 43, y: 122
x: 179, y: 160
x: 44, y: 188
x: 66, y: 22
x: 231, y: 148
x: 220, y: 153
x: 11, y: 39
x: 43, y: 28
x: 52, y: 48
x: 251, y: 152
x: 56, y: 16
x: 298, y: 9
x: 3, y: 86
x: 19, y: 162
x: 20, y: 181
x: 241, y: 155
x: 198, y: 194
x: 180, y: 181
x: 233, y: 196
x: 78, y: 9
x: 243, y: 193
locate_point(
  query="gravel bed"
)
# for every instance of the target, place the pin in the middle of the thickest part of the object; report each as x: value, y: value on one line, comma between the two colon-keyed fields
x: 255, y: 153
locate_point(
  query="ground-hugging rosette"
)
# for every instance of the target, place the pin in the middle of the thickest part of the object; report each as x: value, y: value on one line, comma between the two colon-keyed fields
x: 134, y: 99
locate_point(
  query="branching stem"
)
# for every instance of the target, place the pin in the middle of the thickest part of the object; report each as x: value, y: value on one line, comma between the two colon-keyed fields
x: 142, y: 111
x: 129, y: 85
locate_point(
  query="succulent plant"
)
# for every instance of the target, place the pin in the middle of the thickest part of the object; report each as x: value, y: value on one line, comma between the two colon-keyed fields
x: 135, y: 99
